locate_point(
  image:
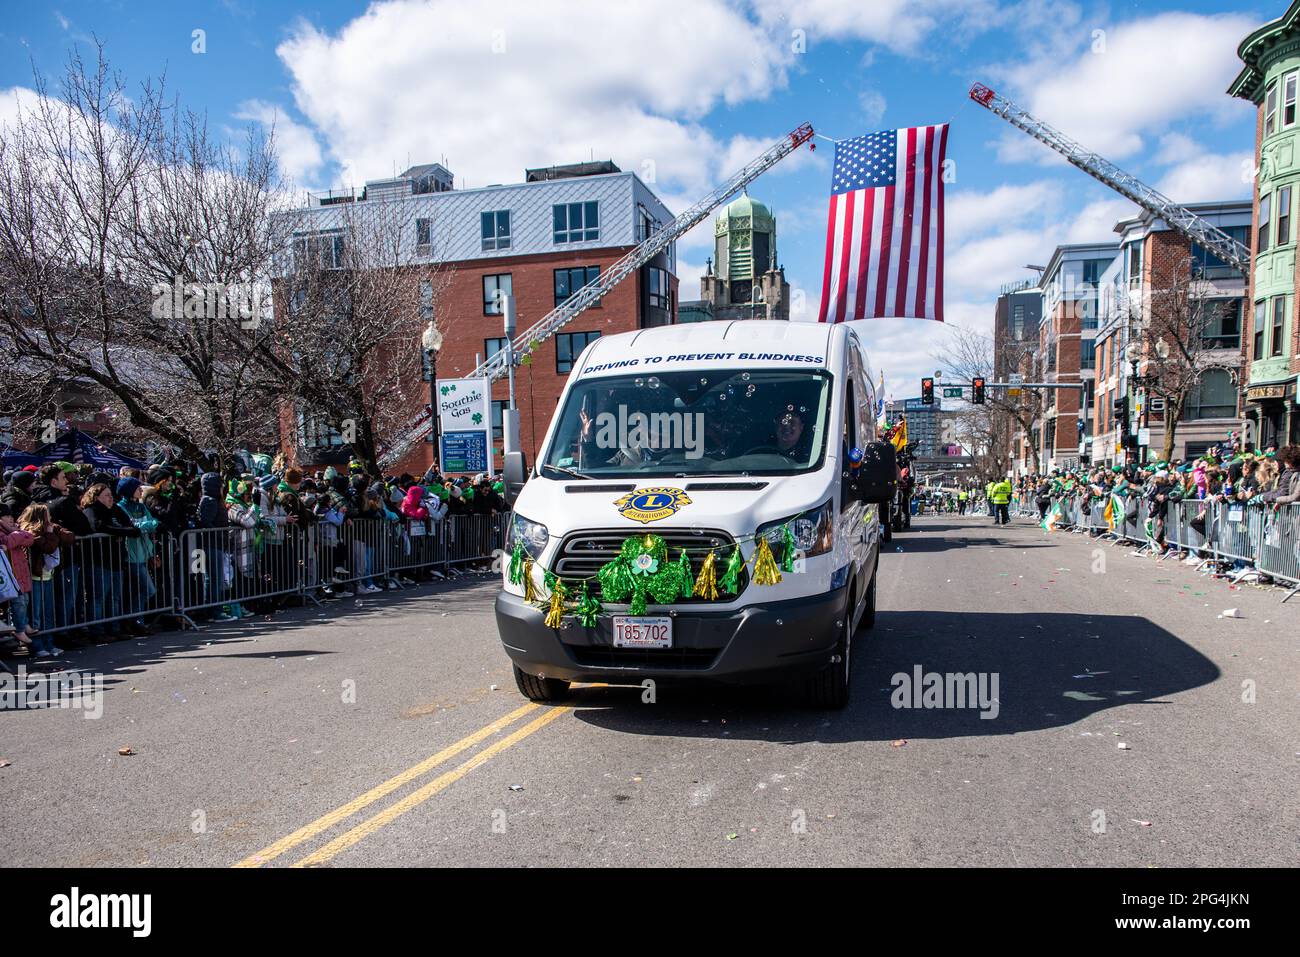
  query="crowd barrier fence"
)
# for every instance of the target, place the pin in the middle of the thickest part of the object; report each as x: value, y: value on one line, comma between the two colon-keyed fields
x: 102, y: 582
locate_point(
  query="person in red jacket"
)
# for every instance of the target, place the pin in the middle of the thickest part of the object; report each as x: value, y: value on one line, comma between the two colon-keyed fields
x: 15, y: 542
x: 412, y: 506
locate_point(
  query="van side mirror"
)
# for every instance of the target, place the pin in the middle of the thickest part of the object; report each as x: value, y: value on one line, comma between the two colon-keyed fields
x: 514, y: 473
x: 876, y: 481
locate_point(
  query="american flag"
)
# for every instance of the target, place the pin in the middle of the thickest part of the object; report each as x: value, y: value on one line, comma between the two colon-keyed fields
x: 884, y: 240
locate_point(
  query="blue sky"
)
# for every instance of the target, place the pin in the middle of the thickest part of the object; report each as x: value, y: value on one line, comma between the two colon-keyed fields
x: 684, y: 91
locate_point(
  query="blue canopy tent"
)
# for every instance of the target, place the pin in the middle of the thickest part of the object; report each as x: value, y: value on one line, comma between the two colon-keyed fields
x: 76, y: 446
x: 11, y: 458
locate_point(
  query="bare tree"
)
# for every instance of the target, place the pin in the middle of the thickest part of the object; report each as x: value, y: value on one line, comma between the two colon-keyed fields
x: 969, y: 354
x: 355, y: 308
x: 1171, y: 324
x: 132, y: 249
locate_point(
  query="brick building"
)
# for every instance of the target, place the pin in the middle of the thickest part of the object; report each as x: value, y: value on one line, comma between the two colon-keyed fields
x: 539, y: 241
x: 1153, y: 256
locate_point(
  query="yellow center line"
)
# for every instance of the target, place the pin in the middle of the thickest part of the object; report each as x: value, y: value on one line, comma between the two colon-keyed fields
x: 321, y: 824
x: 416, y: 798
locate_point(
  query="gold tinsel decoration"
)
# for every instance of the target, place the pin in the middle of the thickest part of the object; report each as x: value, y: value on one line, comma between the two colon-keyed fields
x: 530, y: 590
x: 706, y: 583
x: 766, y: 571
x: 555, y: 613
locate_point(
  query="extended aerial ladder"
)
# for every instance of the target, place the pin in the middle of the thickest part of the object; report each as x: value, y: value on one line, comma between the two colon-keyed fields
x: 497, y: 365
x: 1195, y: 227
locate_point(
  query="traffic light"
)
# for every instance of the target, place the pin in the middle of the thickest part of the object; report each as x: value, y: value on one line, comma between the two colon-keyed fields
x: 1120, y: 409
x: 977, y: 390
x: 927, y: 391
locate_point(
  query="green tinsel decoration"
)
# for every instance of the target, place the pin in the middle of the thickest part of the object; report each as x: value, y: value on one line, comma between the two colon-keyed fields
x: 730, y: 581
x: 588, y: 608
x: 687, y: 576
x: 622, y: 578
x: 788, y: 549
x: 517, y: 556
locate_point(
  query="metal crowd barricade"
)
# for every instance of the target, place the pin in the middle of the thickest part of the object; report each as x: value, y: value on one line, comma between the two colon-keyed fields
x: 1278, y: 545
x: 1234, y: 531
x: 102, y: 580
x: 232, y: 566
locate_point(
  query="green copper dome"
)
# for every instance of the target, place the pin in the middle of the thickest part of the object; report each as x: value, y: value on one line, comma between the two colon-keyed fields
x: 745, y: 207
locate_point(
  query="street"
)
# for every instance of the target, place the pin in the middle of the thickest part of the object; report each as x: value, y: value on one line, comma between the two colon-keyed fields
x: 1133, y: 726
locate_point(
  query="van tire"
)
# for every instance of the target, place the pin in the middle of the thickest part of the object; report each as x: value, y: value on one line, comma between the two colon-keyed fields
x: 828, y: 689
x: 544, y: 690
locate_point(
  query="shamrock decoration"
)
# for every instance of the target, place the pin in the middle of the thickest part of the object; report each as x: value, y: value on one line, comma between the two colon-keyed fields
x: 642, y: 571
x: 477, y: 418
x: 444, y: 389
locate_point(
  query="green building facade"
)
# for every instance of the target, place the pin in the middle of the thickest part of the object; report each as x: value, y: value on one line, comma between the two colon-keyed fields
x: 1270, y: 79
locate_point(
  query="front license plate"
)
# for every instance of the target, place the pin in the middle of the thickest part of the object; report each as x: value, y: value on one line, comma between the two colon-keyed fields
x: 642, y: 632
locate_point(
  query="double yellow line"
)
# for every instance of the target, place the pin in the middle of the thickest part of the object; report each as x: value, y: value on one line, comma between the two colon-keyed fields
x: 414, y: 799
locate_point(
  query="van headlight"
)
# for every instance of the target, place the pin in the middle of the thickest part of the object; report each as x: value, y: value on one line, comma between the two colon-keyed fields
x: 813, y: 530
x: 532, y: 534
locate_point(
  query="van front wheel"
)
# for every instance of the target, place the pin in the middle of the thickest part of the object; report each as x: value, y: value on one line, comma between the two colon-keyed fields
x: 544, y: 690
x: 828, y: 689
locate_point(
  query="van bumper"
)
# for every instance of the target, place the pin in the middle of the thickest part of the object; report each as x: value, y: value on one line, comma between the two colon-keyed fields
x: 754, y: 644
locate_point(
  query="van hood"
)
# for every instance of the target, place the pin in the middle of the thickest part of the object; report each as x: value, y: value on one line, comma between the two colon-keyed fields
x: 735, y: 504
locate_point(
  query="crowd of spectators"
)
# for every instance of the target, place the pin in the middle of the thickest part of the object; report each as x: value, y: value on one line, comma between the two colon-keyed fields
x: 82, y: 547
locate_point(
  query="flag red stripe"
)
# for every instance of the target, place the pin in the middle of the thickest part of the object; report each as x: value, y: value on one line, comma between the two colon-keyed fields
x: 842, y: 285
x: 886, y: 234
x: 864, y: 260
x: 830, y: 255
x: 938, y: 266
x: 909, y: 204
x: 923, y: 271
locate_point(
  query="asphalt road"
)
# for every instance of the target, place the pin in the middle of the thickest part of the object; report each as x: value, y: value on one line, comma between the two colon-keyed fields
x: 1123, y: 735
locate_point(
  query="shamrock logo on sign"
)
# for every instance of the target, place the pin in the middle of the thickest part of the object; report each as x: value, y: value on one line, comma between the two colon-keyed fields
x: 445, y: 389
x: 477, y: 418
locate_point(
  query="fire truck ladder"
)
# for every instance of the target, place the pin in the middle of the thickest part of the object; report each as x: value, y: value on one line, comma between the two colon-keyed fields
x: 496, y: 367
x: 1179, y: 217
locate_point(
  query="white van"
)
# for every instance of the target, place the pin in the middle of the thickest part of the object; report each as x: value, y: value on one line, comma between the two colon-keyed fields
x: 686, y: 445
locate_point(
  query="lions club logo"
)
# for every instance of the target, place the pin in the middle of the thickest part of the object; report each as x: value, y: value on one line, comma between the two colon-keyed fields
x: 651, y: 504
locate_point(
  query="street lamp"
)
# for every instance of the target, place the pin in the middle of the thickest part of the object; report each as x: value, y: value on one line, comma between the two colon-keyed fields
x: 432, y: 342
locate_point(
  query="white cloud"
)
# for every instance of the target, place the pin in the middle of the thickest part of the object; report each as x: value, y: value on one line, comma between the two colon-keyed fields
x: 1132, y: 82
x: 901, y: 25
x: 499, y: 89
x: 299, y: 152
x: 873, y: 107
x: 969, y: 214
x: 1209, y: 176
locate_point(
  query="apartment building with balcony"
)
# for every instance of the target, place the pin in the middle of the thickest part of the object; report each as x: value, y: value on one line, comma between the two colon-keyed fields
x: 1153, y: 256
x: 540, y: 241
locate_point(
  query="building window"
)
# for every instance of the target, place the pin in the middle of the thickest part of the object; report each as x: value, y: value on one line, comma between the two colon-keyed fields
x: 492, y: 346
x: 495, y: 229
x: 1270, y: 110
x: 494, y: 288
x: 1214, y: 397
x: 658, y: 288
x: 1135, y: 263
x: 318, y: 433
x: 319, y: 250
x: 423, y: 236
x: 1088, y: 354
x: 1018, y: 323
x: 1284, y: 215
x: 426, y: 300
x: 1288, y: 100
x: 1206, y: 264
x: 1261, y: 321
x: 568, y: 346
x: 569, y: 281
x: 1261, y: 241
x: 1223, y: 331
x: 1279, y: 324
x: 499, y: 407
x: 576, y: 222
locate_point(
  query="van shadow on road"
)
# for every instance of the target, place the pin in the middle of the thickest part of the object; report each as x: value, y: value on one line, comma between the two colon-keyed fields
x: 1052, y: 670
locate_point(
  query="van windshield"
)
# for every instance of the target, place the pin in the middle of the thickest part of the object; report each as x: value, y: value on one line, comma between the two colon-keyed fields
x: 704, y: 422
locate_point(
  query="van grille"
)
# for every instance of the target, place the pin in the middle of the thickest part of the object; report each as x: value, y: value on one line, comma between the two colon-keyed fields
x: 582, y: 554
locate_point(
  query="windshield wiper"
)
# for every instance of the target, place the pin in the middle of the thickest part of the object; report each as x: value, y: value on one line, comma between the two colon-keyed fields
x: 563, y: 471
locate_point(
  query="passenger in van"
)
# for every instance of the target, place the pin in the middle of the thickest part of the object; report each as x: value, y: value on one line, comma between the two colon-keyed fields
x: 789, y: 435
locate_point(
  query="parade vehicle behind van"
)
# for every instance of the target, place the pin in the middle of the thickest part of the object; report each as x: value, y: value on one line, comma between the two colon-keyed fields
x: 705, y: 507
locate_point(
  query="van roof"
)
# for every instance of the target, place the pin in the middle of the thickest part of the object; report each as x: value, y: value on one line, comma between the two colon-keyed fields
x: 806, y: 340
